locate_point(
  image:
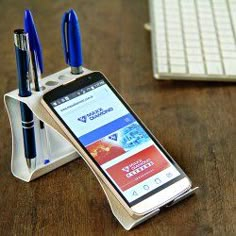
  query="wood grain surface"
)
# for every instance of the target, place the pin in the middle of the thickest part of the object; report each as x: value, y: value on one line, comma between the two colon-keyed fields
x: 195, y: 121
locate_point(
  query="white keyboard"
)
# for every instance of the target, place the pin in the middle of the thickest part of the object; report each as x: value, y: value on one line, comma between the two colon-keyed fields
x: 194, y: 39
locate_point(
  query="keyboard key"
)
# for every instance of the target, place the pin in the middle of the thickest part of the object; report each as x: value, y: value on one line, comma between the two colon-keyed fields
x: 178, y: 69
x: 214, y: 68
x: 219, y: 13
x: 196, y: 68
x: 177, y: 46
x: 176, y: 40
x: 177, y: 61
x: 193, y: 44
x: 224, y: 27
x: 190, y: 24
x: 211, y: 50
x: 206, y: 30
x: 174, y: 33
x: 192, y: 37
x: 206, y: 22
x: 194, y: 51
x: 227, y: 40
x: 162, y: 60
x: 162, y: 53
x: 161, y: 39
x: 210, y: 43
x: 225, y: 33
x: 162, y: 68
x: 229, y: 54
x: 212, y: 57
x: 195, y: 58
x: 209, y: 36
x: 189, y: 19
x: 176, y: 53
x: 230, y: 66
x: 228, y: 47
x: 190, y: 30
x: 161, y: 46
x: 160, y: 30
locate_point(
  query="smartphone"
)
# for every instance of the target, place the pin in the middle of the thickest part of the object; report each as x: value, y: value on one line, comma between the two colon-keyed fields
x: 116, y: 144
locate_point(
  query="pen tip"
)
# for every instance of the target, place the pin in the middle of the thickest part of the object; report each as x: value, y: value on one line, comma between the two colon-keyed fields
x: 73, y: 15
x: 28, y: 13
x: 28, y: 20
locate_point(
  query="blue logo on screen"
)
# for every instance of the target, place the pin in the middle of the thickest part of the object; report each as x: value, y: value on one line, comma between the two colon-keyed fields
x: 83, y: 119
x: 113, y: 137
x: 95, y: 114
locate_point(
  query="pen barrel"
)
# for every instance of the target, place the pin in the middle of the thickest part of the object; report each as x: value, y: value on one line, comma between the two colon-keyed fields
x: 28, y: 131
x: 71, y: 39
x: 74, y: 42
x: 35, y: 72
x: 21, y: 42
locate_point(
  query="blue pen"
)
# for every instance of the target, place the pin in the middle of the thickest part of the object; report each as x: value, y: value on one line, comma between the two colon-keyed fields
x: 35, y: 48
x: 37, y: 64
x: 21, y: 42
x: 71, y: 41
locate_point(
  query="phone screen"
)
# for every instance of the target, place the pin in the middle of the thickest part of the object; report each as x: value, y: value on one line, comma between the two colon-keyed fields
x: 116, y: 141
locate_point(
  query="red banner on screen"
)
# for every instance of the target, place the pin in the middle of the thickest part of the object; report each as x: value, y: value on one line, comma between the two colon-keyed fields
x: 138, y: 167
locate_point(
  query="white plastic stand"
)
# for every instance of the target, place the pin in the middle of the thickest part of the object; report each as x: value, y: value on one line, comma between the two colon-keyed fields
x: 61, y: 150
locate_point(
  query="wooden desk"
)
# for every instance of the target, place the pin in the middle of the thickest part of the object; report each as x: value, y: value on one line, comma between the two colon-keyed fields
x: 195, y: 121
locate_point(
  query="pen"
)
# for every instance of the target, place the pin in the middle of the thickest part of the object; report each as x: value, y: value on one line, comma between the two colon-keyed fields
x: 21, y: 43
x: 71, y: 41
x: 37, y: 65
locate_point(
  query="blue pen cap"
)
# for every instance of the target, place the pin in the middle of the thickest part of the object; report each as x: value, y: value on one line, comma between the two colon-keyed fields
x: 71, y: 39
x: 34, y: 42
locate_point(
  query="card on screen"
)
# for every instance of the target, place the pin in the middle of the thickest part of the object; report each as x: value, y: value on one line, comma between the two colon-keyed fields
x: 138, y: 167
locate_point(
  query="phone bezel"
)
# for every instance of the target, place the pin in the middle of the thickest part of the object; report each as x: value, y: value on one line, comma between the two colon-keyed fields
x: 87, y: 80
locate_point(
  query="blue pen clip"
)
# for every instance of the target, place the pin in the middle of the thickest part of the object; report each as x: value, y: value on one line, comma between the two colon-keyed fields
x: 34, y: 42
x: 71, y: 41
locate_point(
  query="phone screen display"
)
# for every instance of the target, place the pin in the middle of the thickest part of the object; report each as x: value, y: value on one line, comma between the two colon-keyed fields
x: 116, y: 141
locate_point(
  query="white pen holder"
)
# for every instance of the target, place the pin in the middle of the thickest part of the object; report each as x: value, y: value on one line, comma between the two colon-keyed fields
x: 60, y: 151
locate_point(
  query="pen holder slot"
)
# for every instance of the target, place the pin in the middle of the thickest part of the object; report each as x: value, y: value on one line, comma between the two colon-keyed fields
x: 61, y: 151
